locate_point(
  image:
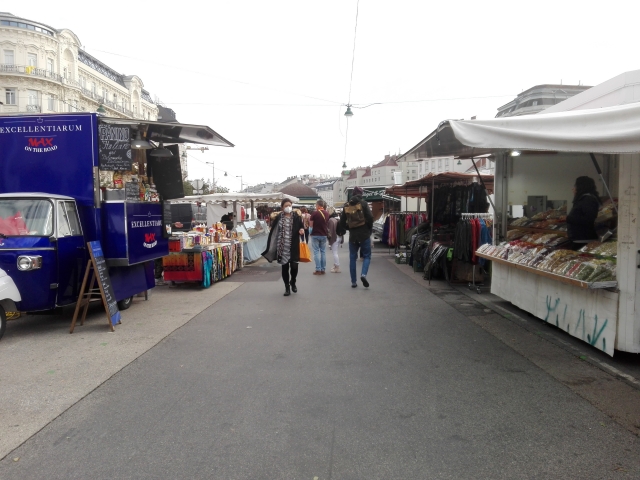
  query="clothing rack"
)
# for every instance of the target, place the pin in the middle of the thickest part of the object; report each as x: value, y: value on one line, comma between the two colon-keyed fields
x: 468, y: 216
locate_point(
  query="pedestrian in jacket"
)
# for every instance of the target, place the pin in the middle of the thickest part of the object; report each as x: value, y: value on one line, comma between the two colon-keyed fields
x: 581, y: 219
x: 335, y: 240
x: 359, y: 236
x: 318, y: 235
x: 283, y: 244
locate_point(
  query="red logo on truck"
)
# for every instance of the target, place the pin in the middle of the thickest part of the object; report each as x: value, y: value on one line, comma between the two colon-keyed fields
x: 41, y: 142
x: 150, y: 240
x: 40, y: 145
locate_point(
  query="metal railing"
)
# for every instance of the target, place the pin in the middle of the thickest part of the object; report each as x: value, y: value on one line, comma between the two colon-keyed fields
x: 29, y: 70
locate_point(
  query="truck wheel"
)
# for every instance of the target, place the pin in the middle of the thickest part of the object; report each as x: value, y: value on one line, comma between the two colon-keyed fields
x: 3, y: 322
x: 126, y: 303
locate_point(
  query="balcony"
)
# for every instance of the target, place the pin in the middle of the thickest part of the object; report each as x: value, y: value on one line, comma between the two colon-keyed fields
x: 30, y: 71
x: 106, y: 103
x: 15, y: 109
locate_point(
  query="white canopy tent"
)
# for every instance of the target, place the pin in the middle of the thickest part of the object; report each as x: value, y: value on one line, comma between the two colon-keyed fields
x: 612, y: 133
x: 217, y: 203
x: 608, y: 130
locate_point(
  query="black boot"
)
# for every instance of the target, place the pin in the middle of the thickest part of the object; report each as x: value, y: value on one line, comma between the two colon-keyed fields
x: 287, y: 292
x: 294, y: 289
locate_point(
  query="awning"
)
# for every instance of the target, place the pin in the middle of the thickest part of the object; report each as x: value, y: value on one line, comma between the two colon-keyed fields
x: 373, y: 194
x: 237, y: 197
x: 602, y: 130
x: 174, y: 132
x: 420, y: 187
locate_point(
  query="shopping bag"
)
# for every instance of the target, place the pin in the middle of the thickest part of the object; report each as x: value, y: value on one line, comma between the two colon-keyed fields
x: 305, y: 253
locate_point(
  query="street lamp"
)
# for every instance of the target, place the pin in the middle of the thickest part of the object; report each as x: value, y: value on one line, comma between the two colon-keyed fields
x: 213, y: 169
x: 240, y: 177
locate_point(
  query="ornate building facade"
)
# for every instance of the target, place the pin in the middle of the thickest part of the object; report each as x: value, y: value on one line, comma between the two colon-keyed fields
x: 45, y: 70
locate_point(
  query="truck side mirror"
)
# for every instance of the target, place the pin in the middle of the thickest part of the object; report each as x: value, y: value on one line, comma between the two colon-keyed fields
x: 53, y: 239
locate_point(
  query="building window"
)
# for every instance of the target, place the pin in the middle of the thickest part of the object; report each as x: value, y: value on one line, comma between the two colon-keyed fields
x: 10, y: 96
x: 32, y: 59
x: 8, y: 57
x: 115, y: 99
x: 65, y: 73
x: 446, y: 163
x: 32, y: 95
x: 50, y: 65
x: 50, y: 104
x: 439, y: 164
x: 93, y: 87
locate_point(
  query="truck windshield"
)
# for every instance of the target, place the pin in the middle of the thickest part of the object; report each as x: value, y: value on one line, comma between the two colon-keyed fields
x: 22, y: 217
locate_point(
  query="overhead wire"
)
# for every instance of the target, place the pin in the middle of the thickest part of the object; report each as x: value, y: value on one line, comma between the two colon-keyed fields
x: 353, y: 60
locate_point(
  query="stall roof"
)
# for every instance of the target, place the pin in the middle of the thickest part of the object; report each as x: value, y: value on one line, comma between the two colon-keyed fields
x: 174, y: 132
x: 603, y: 130
x: 237, y: 197
x: 419, y: 188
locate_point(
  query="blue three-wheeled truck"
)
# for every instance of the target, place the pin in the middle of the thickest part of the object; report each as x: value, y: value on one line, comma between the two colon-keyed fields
x: 53, y: 200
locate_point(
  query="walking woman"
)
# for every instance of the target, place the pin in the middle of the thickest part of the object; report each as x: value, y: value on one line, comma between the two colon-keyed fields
x: 335, y: 240
x: 283, y: 244
x: 305, y: 219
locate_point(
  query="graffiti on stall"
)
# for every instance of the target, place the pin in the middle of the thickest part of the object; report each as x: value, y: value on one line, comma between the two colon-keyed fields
x: 553, y: 309
x: 580, y: 329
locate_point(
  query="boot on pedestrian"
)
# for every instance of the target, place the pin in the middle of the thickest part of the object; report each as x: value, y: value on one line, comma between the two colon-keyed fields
x: 335, y: 269
x: 287, y: 291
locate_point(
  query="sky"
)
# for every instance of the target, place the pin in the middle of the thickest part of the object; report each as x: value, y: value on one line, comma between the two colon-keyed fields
x: 274, y: 77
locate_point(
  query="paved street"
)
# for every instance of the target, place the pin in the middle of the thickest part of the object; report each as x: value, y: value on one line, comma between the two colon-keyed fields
x: 390, y: 382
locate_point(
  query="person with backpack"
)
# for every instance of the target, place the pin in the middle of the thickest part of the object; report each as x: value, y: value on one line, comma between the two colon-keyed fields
x: 318, y: 230
x: 358, y: 220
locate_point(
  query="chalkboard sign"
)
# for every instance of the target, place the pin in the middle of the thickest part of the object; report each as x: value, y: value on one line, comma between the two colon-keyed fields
x: 167, y: 220
x: 96, y: 272
x: 132, y: 191
x: 104, y: 282
x: 115, y: 147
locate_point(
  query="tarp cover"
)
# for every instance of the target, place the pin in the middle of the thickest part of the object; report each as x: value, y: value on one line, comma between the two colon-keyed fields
x: 602, y: 130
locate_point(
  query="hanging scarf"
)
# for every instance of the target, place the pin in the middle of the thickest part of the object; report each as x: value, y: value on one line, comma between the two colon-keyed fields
x: 284, y: 236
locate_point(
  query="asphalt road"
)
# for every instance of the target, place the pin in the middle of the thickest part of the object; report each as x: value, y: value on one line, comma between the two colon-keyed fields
x: 389, y: 382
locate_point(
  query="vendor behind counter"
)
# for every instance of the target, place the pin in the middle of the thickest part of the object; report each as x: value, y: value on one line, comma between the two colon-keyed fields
x: 581, y: 219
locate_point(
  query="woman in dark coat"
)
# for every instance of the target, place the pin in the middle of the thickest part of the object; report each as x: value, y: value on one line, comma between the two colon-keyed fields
x: 581, y: 220
x: 283, y: 244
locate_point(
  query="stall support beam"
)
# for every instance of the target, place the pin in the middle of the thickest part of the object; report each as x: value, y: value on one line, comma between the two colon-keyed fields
x: 253, y: 217
x: 235, y: 214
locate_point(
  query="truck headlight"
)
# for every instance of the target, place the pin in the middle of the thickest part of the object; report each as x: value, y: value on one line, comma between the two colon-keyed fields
x: 29, y: 262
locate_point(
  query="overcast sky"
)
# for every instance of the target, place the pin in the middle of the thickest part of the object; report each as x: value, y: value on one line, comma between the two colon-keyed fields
x: 272, y: 76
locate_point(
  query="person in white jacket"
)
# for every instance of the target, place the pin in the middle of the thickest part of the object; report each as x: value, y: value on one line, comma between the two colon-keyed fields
x: 335, y: 240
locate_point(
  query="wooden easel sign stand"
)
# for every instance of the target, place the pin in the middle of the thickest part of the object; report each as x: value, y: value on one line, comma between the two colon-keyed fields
x: 96, y: 272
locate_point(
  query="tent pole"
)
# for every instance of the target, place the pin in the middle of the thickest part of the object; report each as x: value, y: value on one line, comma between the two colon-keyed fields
x: 433, y: 193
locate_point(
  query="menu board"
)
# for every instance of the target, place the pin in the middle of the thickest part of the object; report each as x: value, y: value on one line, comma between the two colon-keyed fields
x: 104, y: 281
x: 132, y: 191
x: 114, y: 144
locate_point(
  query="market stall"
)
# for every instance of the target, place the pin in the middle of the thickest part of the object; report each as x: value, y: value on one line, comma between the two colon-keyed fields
x: 253, y: 233
x: 457, y: 207
x: 203, y: 255
x: 589, y: 289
